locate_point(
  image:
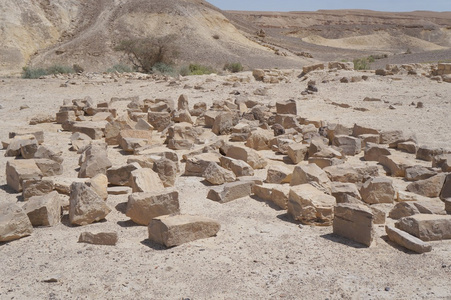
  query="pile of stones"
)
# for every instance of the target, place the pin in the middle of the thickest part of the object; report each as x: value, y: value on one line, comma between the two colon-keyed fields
x: 322, y: 174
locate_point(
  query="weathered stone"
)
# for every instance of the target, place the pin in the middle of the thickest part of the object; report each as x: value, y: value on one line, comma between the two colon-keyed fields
x: 231, y: 191
x: 38, y: 134
x: 44, y: 210
x: 354, y: 222
x: 409, y: 147
x: 224, y: 123
x: 443, y: 162
x: 260, y: 139
x: 359, y: 130
x: 427, y: 227
x: 419, y: 173
x: 278, y: 174
x: 28, y: 142
x: 217, y: 175
x: 369, y: 139
x: 34, y: 187
x: 350, y: 145
x: 427, y: 153
x: 166, y: 170
x: 445, y: 193
x: 121, y: 175
x: 45, y: 152
x: 380, y: 212
x: 310, y: 173
x: 99, y: 184
x: 64, y: 116
x: 287, y: 107
x: 14, y: 223
x: 94, y: 160
x: 344, y: 173
x: 182, y: 116
x: 119, y: 190
x: 337, y: 129
x: 142, y: 161
x: 373, y: 152
x: 237, y: 166
x: 95, y: 130
x: 101, y: 238
x: 19, y: 170
x: 62, y: 184
x: 129, y: 139
x: 340, y: 190
x: 196, y: 165
x: 392, y: 137
x: 210, y: 117
x: 406, y: 240
x: 311, y: 206
x: 176, y: 230
x: 310, y: 68
x: 403, y: 209
x: 113, y: 129
x: 297, y: 152
x: 145, y: 180
x: 396, y: 166
x: 378, y: 190
x: 280, y: 195
x: 49, y: 167
x: 86, y: 206
x: 159, y: 120
x: 248, y: 155
x: 142, y: 124
x: 143, y: 207
x: 430, y: 187
x: 198, y: 109
x: 263, y: 191
x: 182, y: 102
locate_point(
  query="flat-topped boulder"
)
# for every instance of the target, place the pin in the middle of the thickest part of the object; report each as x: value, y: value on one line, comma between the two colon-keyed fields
x: 14, y: 222
x: 95, y: 130
x: 231, y: 191
x: 19, y: 170
x: 406, y: 240
x: 179, y: 229
x: 44, y: 210
x: 427, y: 227
x: 310, y: 205
x: 354, y: 222
x: 143, y: 207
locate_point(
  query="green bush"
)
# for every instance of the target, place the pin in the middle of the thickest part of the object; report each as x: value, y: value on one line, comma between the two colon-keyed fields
x: 58, y: 69
x: 30, y: 73
x: 361, y: 63
x: 34, y: 73
x: 163, y: 68
x: 120, y: 68
x: 144, y: 53
x: 233, y: 67
x: 197, y: 69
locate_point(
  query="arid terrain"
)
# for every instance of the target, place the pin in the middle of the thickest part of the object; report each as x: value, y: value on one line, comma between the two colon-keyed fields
x: 260, y: 251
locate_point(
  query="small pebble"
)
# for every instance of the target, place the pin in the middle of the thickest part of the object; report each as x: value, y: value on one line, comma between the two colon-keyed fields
x: 387, y: 289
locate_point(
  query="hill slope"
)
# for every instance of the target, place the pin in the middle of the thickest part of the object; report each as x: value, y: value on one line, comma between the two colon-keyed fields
x: 85, y: 32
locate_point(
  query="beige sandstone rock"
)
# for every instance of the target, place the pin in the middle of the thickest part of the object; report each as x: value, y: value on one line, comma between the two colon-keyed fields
x: 176, y: 230
x: 19, y: 170
x: 354, y: 222
x: 297, y: 152
x: 95, y: 130
x: 49, y: 167
x: 159, y: 120
x: 231, y: 191
x: 280, y: 195
x: 248, y: 155
x: 224, y: 123
x: 143, y: 207
x: 237, y: 166
x: 415, y: 173
x: 430, y: 187
x: 406, y: 240
x: 14, y: 223
x: 378, y: 190
x: 427, y: 153
x: 310, y: 173
x: 427, y: 227
x: 218, y: 175
x: 350, y: 145
x: 260, y: 139
x: 409, y: 147
x: 278, y: 174
x: 145, y: 180
x: 340, y: 190
x: 196, y: 165
x: 395, y: 165
x: 86, y: 206
x: 99, y: 184
x: 121, y: 175
x: 166, y: 170
x: 287, y: 107
x: 47, y: 153
x: 34, y: 187
x: 311, y: 206
x: 101, y: 238
x: 44, y: 210
x: 94, y: 160
x: 374, y: 152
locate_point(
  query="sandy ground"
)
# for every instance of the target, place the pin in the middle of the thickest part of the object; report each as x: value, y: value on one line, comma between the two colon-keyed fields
x: 259, y: 251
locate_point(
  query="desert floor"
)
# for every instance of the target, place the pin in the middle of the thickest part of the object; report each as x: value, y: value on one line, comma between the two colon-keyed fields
x: 259, y: 253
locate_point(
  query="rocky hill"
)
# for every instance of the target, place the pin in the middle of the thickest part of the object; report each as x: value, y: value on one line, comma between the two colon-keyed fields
x: 44, y: 32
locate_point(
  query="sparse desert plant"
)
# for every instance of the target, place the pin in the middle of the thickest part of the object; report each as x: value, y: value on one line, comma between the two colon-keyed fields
x: 59, y: 69
x: 34, y: 73
x: 197, y: 69
x: 146, y: 52
x: 361, y: 64
x: 163, y: 68
x: 120, y: 68
x: 233, y: 67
